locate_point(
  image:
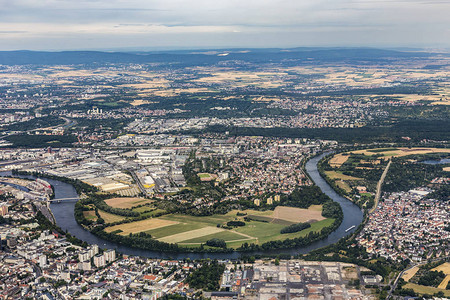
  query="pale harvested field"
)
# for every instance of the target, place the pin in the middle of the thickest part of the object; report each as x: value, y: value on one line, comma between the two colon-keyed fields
x: 126, y: 202
x: 336, y: 175
x: 234, y: 76
x: 297, y: 215
x: 20, y: 76
x: 164, y: 93
x: 444, y: 282
x: 265, y: 99
x: 410, y: 274
x: 441, y: 102
x: 446, y: 169
x: 417, y: 97
x: 179, y: 237
x: 139, y: 226
x: 404, y: 151
x: 73, y: 73
x: 338, y: 160
x: 147, y: 85
x: 139, y: 102
x: 192, y: 90
x: 445, y: 267
x: 242, y: 79
x: 356, y: 77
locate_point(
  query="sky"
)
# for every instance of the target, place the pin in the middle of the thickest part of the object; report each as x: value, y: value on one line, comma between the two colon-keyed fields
x: 203, y: 24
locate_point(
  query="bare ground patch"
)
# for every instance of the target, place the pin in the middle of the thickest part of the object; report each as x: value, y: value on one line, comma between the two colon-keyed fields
x: 297, y: 215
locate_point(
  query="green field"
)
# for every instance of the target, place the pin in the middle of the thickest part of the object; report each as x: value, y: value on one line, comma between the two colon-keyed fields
x: 110, y: 218
x: 265, y: 232
x: 204, y: 175
x: 226, y: 235
x: 173, y: 229
x: 141, y: 209
x: 192, y: 231
x: 344, y: 185
x: 253, y: 232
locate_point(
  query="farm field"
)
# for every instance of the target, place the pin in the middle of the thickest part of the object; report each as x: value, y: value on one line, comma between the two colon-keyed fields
x: 338, y: 160
x: 445, y: 267
x: 126, y: 202
x: 140, y: 226
x: 337, y: 175
x: 265, y: 232
x: 410, y: 273
x: 399, y: 152
x: 195, y: 230
x: 297, y: 215
x: 444, y: 282
x: 226, y: 235
x: 191, y: 234
x: 110, y: 218
x: 421, y: 289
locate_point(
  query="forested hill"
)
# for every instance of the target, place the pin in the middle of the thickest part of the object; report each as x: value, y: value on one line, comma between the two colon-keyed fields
x: 205, y: 57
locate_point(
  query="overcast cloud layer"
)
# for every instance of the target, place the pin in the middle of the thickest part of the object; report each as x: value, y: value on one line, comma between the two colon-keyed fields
x: 153, y: 24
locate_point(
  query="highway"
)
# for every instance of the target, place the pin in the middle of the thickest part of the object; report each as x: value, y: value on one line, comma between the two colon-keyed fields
x: 379, y: 185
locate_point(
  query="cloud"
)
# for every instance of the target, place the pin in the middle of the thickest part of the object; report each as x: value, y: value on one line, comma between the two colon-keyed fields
x: 277, y: 22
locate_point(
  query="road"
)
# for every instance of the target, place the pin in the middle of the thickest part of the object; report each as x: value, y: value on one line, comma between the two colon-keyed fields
x: 45, y: 211
x: 379, y: 185
x: 36, y: 269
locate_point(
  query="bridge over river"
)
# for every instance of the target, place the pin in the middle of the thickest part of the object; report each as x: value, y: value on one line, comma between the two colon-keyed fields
x: 75, y: 199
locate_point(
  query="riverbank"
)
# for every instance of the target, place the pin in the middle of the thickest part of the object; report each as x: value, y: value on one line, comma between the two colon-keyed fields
x: 64, y: 214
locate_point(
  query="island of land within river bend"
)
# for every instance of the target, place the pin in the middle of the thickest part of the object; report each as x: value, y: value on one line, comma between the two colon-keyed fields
x: 64, y: 215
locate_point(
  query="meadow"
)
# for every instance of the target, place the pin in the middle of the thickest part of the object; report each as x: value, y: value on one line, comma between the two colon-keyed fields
x: 193, y: 231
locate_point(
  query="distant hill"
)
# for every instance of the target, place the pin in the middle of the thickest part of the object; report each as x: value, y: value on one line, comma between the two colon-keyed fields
x: 205, y: 57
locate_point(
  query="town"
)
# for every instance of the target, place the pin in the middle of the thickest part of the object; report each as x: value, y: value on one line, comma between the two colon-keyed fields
x: 406, y: 225
x: 259, y: 174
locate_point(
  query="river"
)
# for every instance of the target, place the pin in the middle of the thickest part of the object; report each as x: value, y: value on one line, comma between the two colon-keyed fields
x: 64, y: 215
x: 442, y: 161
